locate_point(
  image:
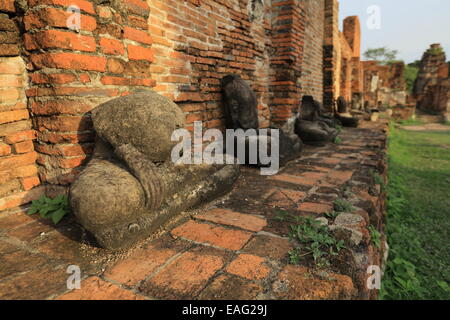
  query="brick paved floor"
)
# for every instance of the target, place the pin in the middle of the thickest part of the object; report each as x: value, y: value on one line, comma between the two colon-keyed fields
x: 230, y: 249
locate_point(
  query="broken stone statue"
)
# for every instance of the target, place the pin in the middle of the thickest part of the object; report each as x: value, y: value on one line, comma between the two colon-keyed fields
x: 241, y: 112
x: 313, y: 127
x: 131, y: 187
x: 344, y: 115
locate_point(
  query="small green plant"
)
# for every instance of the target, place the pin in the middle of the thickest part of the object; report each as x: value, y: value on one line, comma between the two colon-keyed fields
x: 378, y: 180
x: 48, y: 208
x: 435, y: 51
x: 375, y: 236
x: 338, y: 140
x: 282, y: 216
x: 315, y: 240
x: 331, y: 215
x: 411, y: 122
x: 339, y: 128
x: 342, y: 205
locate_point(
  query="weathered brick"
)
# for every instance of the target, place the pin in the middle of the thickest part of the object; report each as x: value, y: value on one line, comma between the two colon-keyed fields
x: 140, y: 53
x: 249, y: 266
x: 82, y: 4
x: 217, y: 236
x: 139, y: 7
x: 112, y: 46
x: 49, y: 39
x: 17, y: 161
x: 23, y: 147
x: 20, y: 136
x: 137, y: 35
x: 30, y: 182
x: 4, y: 149
x: 9, y: 95
x: 54, y: 17
x: 142, y: 263
x: 269, y: 247
x: 12, y: 65
x: 20, y: 198
x: 315, y: 207
x: 235, y: 219
x: 95, y: 288
x: 296, y: 283
x: 294, y: 179
x: 60, y: 106
x: 339, y: 177
x: 68, y: 60
x: 15, y: 115
x: 185, y: 276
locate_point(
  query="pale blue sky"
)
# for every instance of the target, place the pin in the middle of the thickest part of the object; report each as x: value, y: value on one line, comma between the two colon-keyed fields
x: 409, y: 26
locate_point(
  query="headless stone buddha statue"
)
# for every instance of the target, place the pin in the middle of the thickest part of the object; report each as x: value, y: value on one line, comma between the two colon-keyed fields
x: 312, y: 126
x: 131, y: 187
x: 344, y: 115
x: 241, y: 112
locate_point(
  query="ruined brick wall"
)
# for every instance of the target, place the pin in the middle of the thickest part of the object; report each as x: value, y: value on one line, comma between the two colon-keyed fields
x: 288, y: 37
x: 431, y: 87
x: 18, y: 171
x: 182, y: 48
x: 384, y: 85
x: 331, y: 55
x: 345, y: 89
x: 312, y: 71
x: 352, y: 33
x: 52, y: 76
x: 72, y: 72
x: 196, y: 43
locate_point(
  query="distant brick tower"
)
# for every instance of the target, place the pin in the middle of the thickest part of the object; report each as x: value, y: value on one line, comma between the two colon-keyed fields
x: 431, y: 88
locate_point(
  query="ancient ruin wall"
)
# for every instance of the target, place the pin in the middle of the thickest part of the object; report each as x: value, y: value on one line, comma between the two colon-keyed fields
x: 312, y: 71
x: 196, y: 43
x: 431, y: 88
x: 331, y: 55
x: 18, y: 171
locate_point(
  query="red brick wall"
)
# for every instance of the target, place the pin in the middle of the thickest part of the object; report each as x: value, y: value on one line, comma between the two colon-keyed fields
x: 352, y: 33
x: 72, y: 72
x: 288, y: 22
x: 196, y: 43
x: 332, y: 54
x: 18, y: 171
x: 312, y: 70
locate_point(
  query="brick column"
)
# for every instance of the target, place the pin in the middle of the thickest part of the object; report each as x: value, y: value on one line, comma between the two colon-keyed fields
x: 18, y: 171
x: 288, y: 41
x: 332, y: 54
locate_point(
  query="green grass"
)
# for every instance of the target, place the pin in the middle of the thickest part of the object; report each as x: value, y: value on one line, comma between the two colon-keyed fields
x: 418, y: 225
x: 411, y: 122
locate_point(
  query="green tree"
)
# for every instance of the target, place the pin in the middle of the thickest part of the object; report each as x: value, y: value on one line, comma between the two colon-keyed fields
x: 383, y: 55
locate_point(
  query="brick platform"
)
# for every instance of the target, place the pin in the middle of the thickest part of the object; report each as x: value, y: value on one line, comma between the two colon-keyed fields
x: 231, y: 249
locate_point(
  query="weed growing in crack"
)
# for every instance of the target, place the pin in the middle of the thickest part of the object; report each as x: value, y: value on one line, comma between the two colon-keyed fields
x: 342, y: 205
x: 375, y: 236
x: 48, y: 208
x: 332, y: 215
x: 311, y: 239
x: 378, y: 180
